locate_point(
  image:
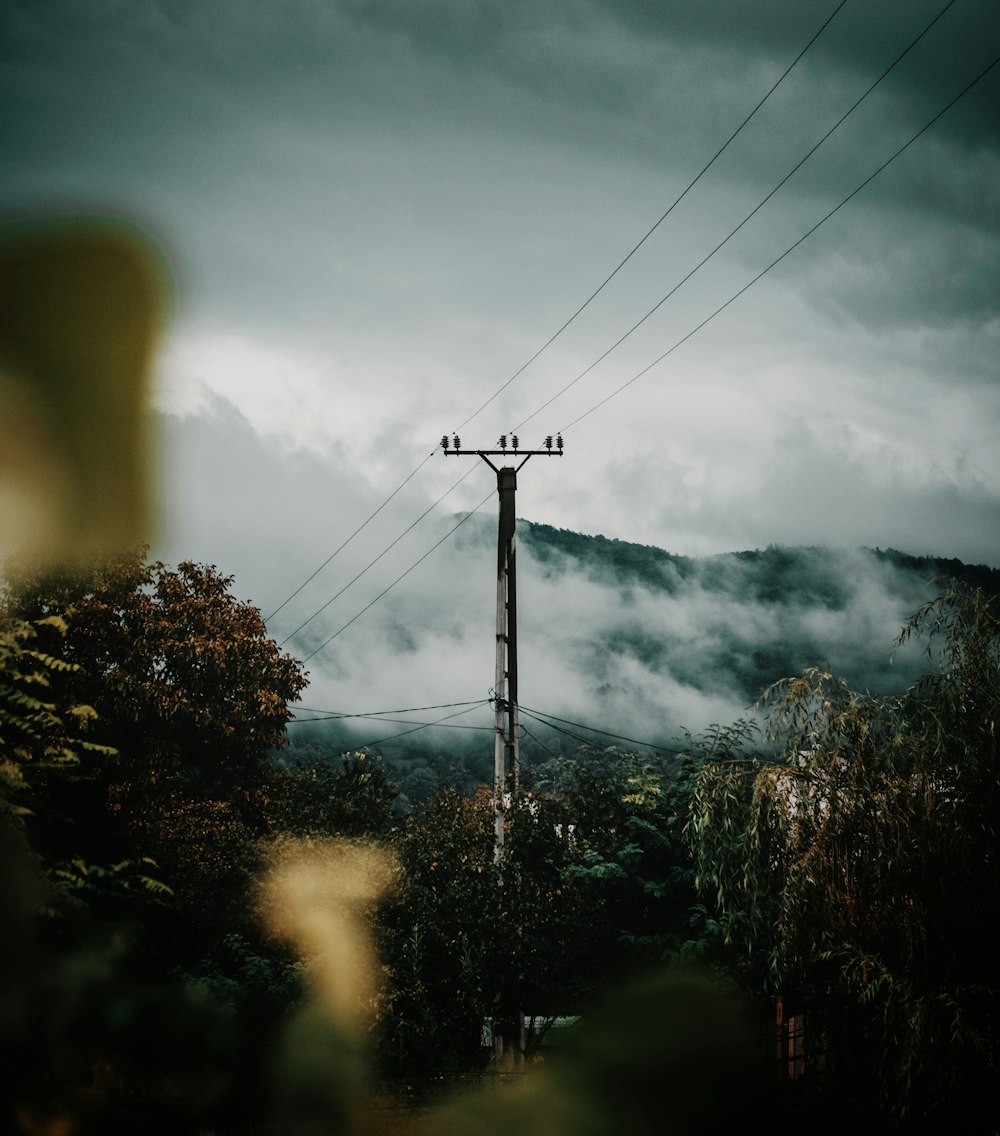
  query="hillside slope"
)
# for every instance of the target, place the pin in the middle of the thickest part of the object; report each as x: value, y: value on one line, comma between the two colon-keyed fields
x: 638, y: 641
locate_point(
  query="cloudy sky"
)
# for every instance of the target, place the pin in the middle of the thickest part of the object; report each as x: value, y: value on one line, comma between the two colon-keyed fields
x: 378, y: 212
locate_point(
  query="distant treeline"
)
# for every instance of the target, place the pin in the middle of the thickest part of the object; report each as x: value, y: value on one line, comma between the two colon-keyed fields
x: 775, y: 575
x: 762, y: 615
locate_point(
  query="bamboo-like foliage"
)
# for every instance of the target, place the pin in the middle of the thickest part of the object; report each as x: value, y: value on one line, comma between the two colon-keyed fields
x: 852, y: 866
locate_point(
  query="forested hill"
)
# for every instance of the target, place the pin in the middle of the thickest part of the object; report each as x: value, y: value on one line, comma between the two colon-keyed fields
x: 775, y: 575
x: 736, y: 622
x: 646, y: 644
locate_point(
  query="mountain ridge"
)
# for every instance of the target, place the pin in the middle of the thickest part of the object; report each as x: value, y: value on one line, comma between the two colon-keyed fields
x: 644, y: 643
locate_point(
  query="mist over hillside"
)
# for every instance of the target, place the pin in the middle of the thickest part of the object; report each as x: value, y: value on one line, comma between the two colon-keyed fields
x: 635, y: 641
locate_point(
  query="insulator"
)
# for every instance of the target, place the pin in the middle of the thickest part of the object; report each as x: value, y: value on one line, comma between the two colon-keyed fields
x: 457, y: 442
x: 559, y: 441
x: 444, y: 441
x: 514, y: 440
x: 548, y: 441
x: 503, y: 441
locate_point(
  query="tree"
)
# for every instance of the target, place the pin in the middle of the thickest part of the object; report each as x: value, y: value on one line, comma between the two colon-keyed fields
x: 317, y: 796
x: 436, y: 939
x: 190, y: 696
x: 852, y: 866
x: 627, y: 862
x: 179, y: 697
x: 41, y: 743
x: 184, y: 677
x: 595, y: 884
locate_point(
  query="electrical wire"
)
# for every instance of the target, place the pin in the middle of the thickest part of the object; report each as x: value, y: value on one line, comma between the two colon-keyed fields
x: 673, y: 205
x: 331, y: 714
x: 753, y: 212
x: 402, y: 576
x: 538, y: 741
x: 791, y: 248
x: 425, y: 726
x: 618, y: 390
x: 363, y: 525
x: 372, y: 563
x: 541, y: 716
x: 397, y: 722
x: 552, y: 338
x: 720, y: 309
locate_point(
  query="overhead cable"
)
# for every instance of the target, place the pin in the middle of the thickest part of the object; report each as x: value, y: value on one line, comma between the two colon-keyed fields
x: 401, y: 576
x: 363, y: 525
x: 698, y: 327
x: 331, y: 714
x: 372, y: 563
x: 673, y: 205
x: 753, y: 212
x: 425, y: 726
x: 791, y: 248
x: 541, y: 716
x: 537, y: 740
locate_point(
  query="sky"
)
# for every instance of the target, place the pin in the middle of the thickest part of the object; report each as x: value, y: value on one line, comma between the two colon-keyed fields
x: 377, y: 213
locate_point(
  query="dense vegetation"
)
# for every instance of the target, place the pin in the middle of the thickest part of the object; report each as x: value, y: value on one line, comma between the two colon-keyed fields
x: 639, y: 629
x: 841, y: 860
x: 851, y: 867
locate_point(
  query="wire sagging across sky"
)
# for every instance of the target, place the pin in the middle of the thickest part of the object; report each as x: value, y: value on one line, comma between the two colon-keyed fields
x: 373, y: 562
x: 753, y: 212
x: 444, y: 722
x: 401, y: 576
x: 791, y: 248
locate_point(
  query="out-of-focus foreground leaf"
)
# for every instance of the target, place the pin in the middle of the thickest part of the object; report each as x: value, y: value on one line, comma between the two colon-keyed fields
x: 82, y: 303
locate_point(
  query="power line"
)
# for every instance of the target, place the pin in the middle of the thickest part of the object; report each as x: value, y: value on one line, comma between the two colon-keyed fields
x: 330, y: 714
x: 397, y: 722
x: 363, y: 525
x: 538, y: 715
x: 427, y: 725
x: 372, y: 563
x: 732, y: 298
x: 552, y: 338
x: 402, y: 575
x: 538, y: 741
x: 380, y: 717
x: 673, y: 205
x: 791, y: 248
x: 541, y: 716
x: 698, y: 327
x: 753, y: 212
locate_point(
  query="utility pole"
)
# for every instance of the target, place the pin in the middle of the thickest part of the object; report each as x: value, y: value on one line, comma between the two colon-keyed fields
x: 506, y: 758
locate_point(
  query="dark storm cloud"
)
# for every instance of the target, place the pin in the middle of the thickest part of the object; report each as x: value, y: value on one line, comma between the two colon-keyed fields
x: 274, y: 119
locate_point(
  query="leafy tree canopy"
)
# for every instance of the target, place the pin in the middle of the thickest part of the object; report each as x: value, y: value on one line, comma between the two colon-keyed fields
x: 852, y: 865
x: 186, y: 683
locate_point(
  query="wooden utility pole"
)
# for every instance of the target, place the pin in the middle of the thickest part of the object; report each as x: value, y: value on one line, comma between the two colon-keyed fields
x: 506, y: 758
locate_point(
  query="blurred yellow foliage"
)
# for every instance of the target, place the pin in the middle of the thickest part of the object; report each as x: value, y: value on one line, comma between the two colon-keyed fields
x: 315, y: 896
x: 82, y: 304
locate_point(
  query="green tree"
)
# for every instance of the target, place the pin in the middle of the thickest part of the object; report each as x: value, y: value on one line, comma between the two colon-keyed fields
x: 627, y: 860
x: 350, y: 797
x: 595, y: 883
x: 41, y: 743
x: 436, y: 939
x: 190, y: 697
x: 852, y: 866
